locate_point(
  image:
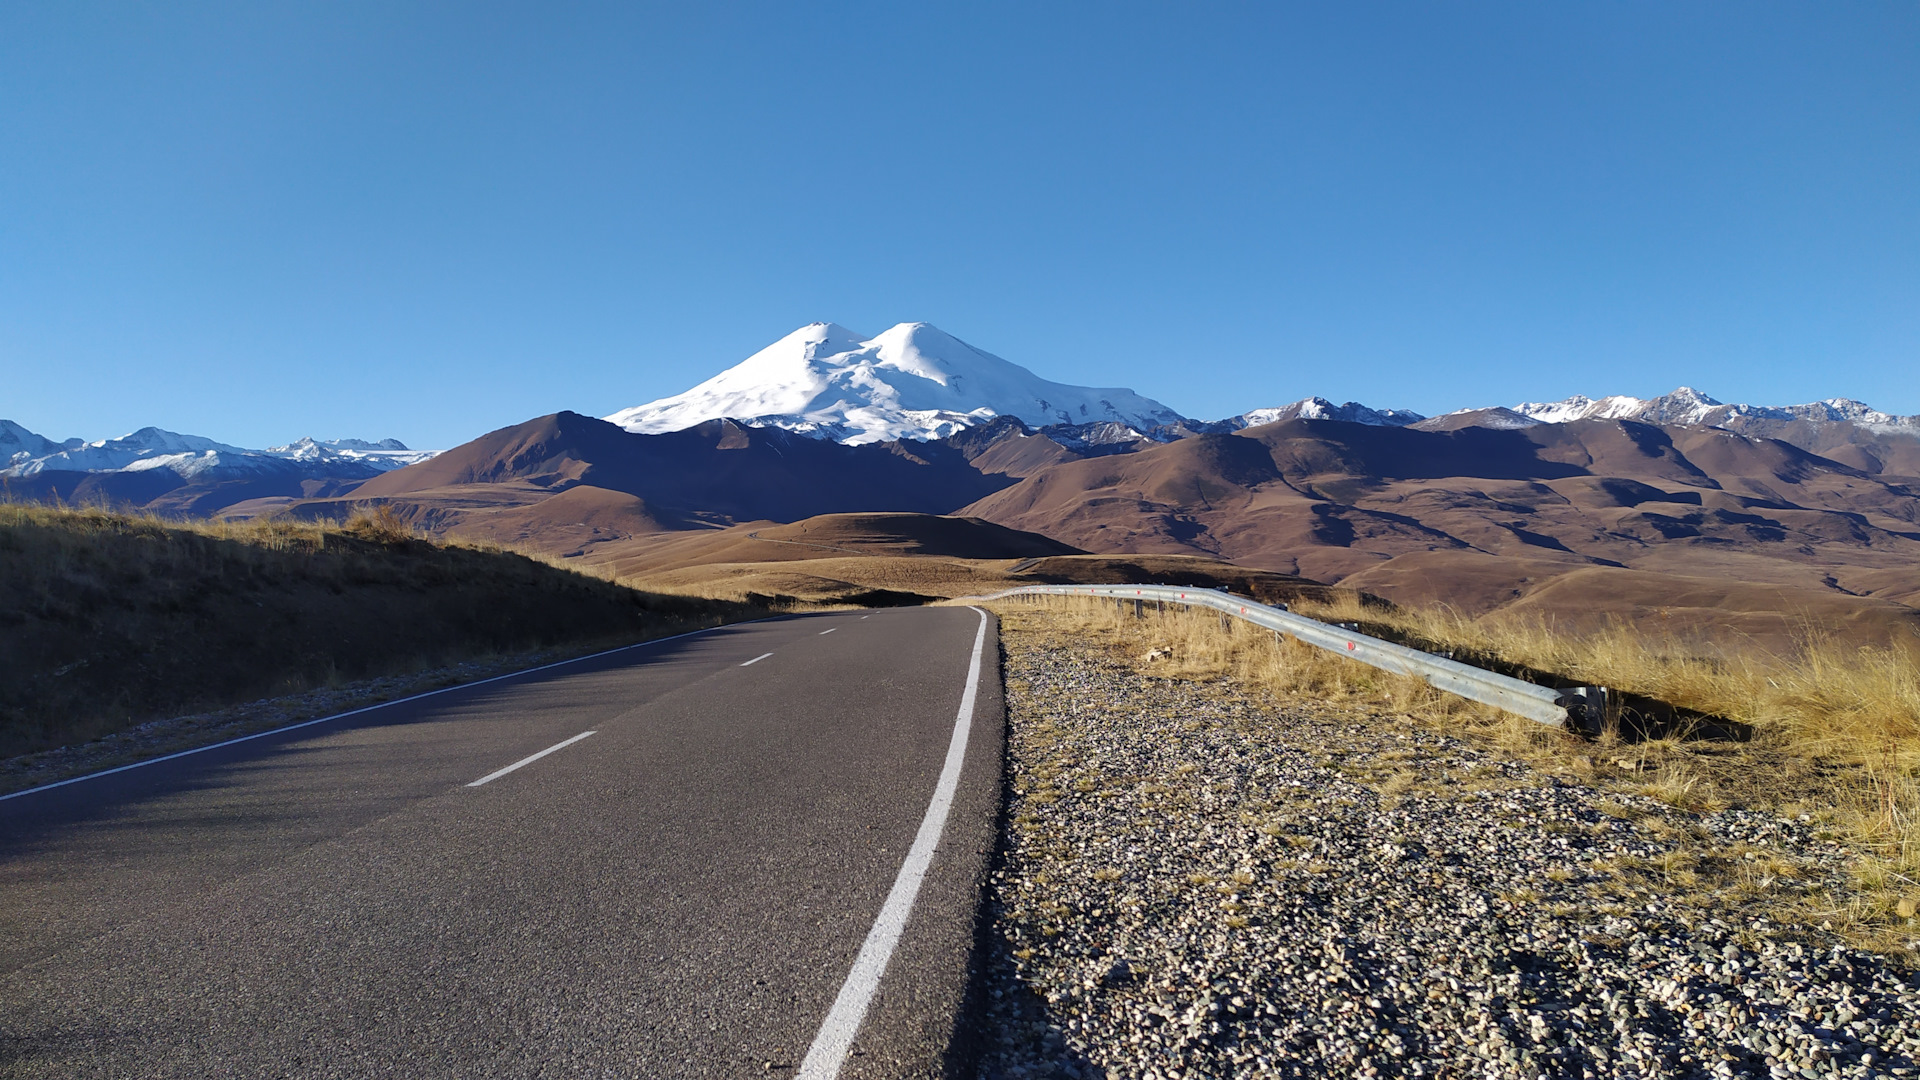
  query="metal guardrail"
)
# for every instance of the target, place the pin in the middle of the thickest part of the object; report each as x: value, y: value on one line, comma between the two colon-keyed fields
x: 1579, y: 708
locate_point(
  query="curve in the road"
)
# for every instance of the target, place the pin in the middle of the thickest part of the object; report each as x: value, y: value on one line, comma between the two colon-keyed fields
x: 684, y: 892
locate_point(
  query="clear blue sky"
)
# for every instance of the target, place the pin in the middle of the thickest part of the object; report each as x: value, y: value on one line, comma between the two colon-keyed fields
x: 264, y: 220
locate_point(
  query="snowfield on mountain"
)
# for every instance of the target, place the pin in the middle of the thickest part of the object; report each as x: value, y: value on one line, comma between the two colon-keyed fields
x: 912, y: 382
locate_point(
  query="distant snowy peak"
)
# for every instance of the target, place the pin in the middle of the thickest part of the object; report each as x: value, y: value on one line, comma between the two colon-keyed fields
x: 191, y: 456
x: 1319, y: 408
x: 1684, y: 406
x: 383, y: 446
x: 384, y: 455
x: 17, y: 444
x: 1498, y: 417
x: 912, y: 382
x: 147, y: 448
x: 1831, y: 410
x: 1689, y: 407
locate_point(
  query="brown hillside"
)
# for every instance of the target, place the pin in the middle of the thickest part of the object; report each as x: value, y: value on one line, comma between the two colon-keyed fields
x: 1480, y: 517
x: 1487, y: 517
x: 829, y: 536
x: 567, y: 484
x: 717, y: 471
x: 884, y: 579
x: 568, y: 523
x: 860, y: 557
x: 914, y: 534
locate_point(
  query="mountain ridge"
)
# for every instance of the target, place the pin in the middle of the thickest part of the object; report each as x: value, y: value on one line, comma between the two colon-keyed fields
x: 191, y: 456
x: 917, y: 382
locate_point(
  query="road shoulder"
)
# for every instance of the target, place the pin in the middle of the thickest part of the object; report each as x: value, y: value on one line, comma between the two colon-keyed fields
x: 1194, y: 881
x: 915, y: 1026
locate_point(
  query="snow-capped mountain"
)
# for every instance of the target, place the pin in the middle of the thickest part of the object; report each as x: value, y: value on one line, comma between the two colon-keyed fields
x: 1499, y: 417
x: 19, y: 444
x: 1689, y: 407
x: 911, y: 382
x: 192, y: 456
x: 1319, y: 408
x: 385, y: 455
x: 1684, y: 406
x: 148, y: 448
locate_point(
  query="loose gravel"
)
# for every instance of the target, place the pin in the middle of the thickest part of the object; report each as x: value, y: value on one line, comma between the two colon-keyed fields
x: 1192, y: 884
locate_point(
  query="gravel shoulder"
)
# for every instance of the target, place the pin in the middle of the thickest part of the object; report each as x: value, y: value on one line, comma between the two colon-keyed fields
x: 1195, y: 880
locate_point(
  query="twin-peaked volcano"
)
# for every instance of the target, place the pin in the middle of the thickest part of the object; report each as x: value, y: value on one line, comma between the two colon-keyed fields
x: 912, y: 382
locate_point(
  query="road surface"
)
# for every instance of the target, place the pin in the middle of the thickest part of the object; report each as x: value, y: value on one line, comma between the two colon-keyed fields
x: 681, y: 893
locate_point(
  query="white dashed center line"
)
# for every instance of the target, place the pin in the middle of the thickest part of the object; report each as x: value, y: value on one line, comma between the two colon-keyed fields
x: 756, y: 659
x: 530, y: 759
x: 828, y: 630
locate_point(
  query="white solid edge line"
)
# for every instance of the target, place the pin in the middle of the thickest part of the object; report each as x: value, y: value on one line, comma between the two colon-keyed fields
x: 756, y: 659
x: 828, y: 630
x: 370, y: 708
x: 530, y: 759
x: 830, y: 1047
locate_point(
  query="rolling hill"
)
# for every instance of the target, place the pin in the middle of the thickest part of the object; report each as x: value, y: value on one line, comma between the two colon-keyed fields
x: 1485, y: 518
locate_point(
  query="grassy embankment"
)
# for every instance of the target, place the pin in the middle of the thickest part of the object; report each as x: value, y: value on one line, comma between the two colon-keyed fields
x: 108, y: 621
x: 1836, y: 732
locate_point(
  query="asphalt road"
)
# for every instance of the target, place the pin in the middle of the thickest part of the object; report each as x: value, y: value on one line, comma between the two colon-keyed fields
x: 680, y: 894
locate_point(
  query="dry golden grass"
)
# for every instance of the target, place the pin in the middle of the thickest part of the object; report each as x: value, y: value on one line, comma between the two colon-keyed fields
x: 1198, y: 644
x: 109, y: 620
x: 381, y: 525
x: 1836, y: 727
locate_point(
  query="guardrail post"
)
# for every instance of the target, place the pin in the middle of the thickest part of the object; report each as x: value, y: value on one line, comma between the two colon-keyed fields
x: 1225, y: 623
x: 1586, y: 708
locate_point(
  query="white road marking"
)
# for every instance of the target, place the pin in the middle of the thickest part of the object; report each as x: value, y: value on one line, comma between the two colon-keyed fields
x: 530, y: 759
x: 831, y: 1045
x: 370, y: 708
x: 756, y: 659
x: 866, y: 616
x: 828, y: 630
